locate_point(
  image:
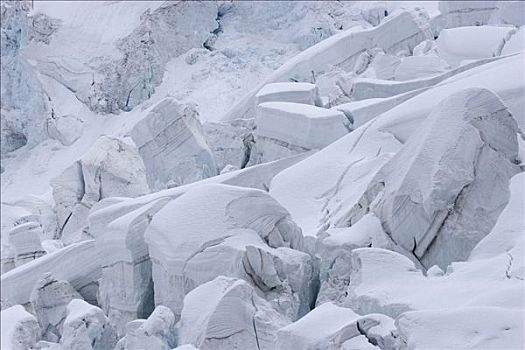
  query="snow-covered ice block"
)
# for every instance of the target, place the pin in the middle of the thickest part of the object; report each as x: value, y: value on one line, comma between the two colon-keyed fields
x: 126, y: 286
x: 515, y: 43
x: 110, y: 168
x: 204, y: 233
x: 49, y: 300
x: 20, y: 329
x: 227, y: 313
x: 509, y: 13
x: 401, y: 30
x: 334, y: 249
x: 25, y: 243
x: 157, y: 332
x: 417, y: 67
x: 78, y: 263
x: 463, y: 13
x: 172, y: 145
x: 361, y: 112
x: 383, y: 66
x: 442, y: 192
x: 29, y: 209
x: 289, y: 92
x: 387, y: 282
x: 508, y: 234
x: 86, y: 328
x: 367, y: 88
x: 352, y: 161
x: 287, y: 128
x: 329, y: 326
x: 66, y: 128
x: 230, y: 142
x: 470, y: 43
x: 463, y: 328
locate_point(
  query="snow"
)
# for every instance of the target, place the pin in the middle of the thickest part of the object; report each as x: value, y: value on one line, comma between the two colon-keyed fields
x: 463, y: 328
x: 289, y: 92
x: 458, y: 44
x: 313, y: 127
x: 77, y: 263
x: 397, y: 32
x: 19, y: 328
x: 233, y: 317
x: 266, y: 175
x: 515, y: 43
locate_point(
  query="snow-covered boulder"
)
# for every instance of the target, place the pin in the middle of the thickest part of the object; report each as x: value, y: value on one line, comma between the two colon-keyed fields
x: 227, y: 313
x: 332, y: 327
x: 470, y: 43
x: 24, y: 241
x: 111, y: 167
x: 442, y: 192
x: 172, y: 145
x: 289, y: 92
x: 49, y: 300
x: 20, y: 329
x: 157, y: 332
x: 86, y: 328
x: 205, y: 232
x: 287, y: 128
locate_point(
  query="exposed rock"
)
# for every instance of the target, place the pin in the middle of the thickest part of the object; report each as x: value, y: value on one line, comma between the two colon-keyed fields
x: 172, y: 145
x: 233, y: 317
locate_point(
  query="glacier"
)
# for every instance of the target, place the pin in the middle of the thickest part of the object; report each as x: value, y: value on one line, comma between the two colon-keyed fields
x: 343, y: 175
